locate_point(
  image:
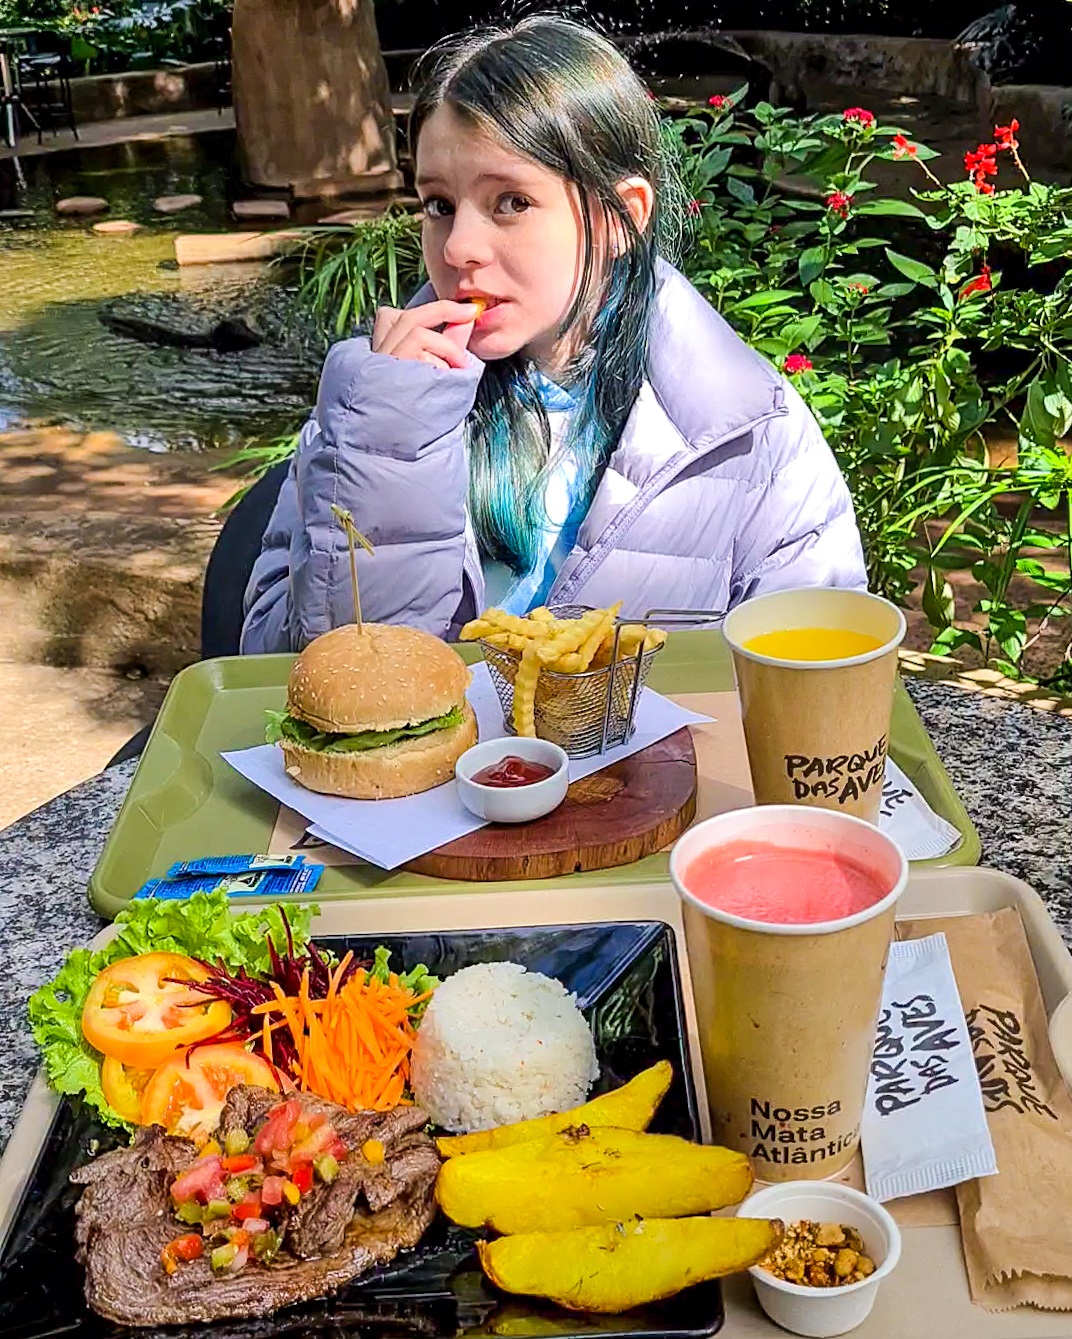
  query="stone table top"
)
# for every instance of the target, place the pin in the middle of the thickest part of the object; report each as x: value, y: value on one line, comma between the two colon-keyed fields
x: 1011, y: 764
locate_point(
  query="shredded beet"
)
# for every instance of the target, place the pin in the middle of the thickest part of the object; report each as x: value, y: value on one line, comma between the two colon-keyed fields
x: 244, y: 992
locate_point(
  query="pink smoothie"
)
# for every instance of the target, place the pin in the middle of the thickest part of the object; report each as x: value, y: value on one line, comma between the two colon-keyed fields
x: 782, y: 886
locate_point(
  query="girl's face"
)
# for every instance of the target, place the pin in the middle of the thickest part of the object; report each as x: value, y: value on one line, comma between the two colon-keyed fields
x: 500, y: 226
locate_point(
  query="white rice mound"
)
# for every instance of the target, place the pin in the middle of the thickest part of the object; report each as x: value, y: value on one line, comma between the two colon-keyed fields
x: 499, y: 1044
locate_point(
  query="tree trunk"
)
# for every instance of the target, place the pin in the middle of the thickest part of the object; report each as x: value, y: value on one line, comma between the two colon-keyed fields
x: 311, y: 97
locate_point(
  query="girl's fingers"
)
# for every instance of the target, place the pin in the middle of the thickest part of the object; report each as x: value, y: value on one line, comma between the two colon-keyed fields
x: 386, y: 319
x: 429, y: 317
x: 460, y: 334
x: 420, y: 341
x: 432, y: 360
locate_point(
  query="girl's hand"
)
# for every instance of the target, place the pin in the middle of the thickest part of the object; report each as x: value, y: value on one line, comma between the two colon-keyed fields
x: 412, y: 334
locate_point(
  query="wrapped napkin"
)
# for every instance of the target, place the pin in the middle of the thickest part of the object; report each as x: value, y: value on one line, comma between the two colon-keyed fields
x: 1016, y: 1226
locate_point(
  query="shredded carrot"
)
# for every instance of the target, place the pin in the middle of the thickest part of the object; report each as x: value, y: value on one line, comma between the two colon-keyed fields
x: 354, y: 1045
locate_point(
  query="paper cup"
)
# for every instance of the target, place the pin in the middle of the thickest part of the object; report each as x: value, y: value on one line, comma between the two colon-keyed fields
x: 817, y: 730
x: 786, y: 1013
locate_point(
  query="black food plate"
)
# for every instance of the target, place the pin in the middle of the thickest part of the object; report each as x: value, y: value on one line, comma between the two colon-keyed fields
x: 626, y: 980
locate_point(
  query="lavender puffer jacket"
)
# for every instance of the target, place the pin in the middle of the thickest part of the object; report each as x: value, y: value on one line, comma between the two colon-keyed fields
x: 721, y: 487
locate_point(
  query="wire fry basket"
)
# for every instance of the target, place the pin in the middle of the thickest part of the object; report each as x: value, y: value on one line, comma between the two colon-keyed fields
x: 593, y: 710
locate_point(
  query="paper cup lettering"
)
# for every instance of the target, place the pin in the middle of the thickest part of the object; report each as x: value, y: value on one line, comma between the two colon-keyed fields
x: 787, y: 997
x: 815, y: 672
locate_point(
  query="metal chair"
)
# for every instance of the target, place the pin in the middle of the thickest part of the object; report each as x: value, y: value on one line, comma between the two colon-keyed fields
x: 44, y: 79
x: 226, y: 577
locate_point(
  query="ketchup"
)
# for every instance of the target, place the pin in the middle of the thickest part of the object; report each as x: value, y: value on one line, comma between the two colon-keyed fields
x: 512, y: 771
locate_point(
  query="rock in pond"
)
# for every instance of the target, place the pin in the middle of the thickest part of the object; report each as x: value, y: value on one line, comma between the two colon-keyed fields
x: 261, y: 209
x: 154, y: 319
x: 82, y: 204
x: 117, y: 226
x: 175, y: 204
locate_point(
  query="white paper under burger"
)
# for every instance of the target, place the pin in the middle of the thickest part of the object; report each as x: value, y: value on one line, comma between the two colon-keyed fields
x: 500, y: 1044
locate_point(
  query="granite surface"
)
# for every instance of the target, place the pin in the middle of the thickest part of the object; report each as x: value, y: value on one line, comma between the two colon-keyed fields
x: 1011, y: 764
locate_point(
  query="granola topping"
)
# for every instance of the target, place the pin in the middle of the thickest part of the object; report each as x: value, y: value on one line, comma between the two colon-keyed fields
x: 819, y: 1255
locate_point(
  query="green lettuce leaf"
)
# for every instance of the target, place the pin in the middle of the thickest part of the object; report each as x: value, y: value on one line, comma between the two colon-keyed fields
x: 282, y: 726
x: 418, y: 979
x: 200, y: 927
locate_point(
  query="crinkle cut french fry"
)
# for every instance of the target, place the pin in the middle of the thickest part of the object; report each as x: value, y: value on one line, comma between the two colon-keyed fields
x: 521, y: 627
x: 572, y: 638
x: 528, y: 673
x: 511, y: 641
x: 592, y: 642
x: 567, y: 664
x: 475, y: 629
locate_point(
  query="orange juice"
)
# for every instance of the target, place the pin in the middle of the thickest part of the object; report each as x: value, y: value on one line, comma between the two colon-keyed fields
x: 813, y: 644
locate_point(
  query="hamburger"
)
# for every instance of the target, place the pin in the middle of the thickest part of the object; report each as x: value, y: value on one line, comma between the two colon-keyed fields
x: 374, y: 712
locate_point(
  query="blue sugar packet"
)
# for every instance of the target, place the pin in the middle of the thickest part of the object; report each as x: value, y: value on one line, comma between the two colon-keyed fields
x: 263, y: 883
x: 232, y: 864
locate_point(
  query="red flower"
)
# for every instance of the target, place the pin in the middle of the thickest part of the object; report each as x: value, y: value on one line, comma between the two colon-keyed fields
x: 859, y: 116
x: 902, y: 148
x: 862, y: 289
x: 796, y: 362
x: 981, y: 164
x: 839, y: 203
x: 718, y: 101
x: 1006, y: 135
x: 980, y: 284
x: 694, y: 208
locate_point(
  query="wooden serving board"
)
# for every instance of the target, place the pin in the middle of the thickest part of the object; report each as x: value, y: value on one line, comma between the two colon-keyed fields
x: 616, y: 816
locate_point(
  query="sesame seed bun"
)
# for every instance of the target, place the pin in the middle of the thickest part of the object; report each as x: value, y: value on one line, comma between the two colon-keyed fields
x: 383, y: 676
x: 380, y: 677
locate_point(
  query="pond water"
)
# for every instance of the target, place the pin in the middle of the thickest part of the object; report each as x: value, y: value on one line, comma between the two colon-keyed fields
x: 60, y: 364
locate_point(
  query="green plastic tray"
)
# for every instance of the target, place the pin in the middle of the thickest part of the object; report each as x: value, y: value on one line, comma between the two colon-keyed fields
x: 185, y: 801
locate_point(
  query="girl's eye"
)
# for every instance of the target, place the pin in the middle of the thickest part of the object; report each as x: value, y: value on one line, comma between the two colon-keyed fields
x: 435, y: 207
x: 513, y: 204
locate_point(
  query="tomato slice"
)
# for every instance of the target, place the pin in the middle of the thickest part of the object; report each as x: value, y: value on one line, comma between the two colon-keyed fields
x: 186, y: 1095
x: 142, y: 1010
x: 123, y: 1088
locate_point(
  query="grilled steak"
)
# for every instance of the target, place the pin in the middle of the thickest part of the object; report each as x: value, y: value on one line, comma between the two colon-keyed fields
x: 363, y: 1218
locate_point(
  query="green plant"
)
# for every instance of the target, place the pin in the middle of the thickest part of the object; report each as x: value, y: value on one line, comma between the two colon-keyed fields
x: 126, y: 34
x: 348, y: 271
x: 913, y: 363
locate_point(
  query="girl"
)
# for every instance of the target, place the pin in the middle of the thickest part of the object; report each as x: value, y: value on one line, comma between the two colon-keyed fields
x: 590, y: 430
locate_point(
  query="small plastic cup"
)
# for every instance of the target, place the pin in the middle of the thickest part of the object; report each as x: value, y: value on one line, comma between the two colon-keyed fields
x: 820, y: 1312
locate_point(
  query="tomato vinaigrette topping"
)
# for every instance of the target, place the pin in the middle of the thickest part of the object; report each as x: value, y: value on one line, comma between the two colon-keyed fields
x: 235, y: 1196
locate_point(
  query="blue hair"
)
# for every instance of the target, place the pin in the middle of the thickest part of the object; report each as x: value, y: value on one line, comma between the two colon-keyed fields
x: 564, y: 96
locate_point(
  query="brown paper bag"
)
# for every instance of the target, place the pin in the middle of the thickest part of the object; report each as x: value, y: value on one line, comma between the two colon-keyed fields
x: 1017, y: 1226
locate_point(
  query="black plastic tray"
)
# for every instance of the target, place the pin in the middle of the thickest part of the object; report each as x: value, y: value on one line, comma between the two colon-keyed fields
x: 625, y: 977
